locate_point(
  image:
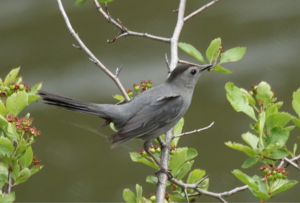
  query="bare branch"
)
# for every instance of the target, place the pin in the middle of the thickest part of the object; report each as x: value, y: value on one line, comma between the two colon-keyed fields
x: 285, y: 161
x: 77, y: 47
x: 291, y: 163
x: 194, y: 131
x: 118, y: 70
x: 190, y: 63
x: 9, y: 179
x: 167, y: 62
x: 200, y: 10
x: 91, y: 55
x: 123, y: 30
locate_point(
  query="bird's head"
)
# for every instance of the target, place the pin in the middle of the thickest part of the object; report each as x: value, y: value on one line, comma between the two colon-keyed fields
x: 187, y: 75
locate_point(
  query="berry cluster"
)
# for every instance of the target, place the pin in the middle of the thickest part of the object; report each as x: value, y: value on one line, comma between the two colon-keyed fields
x: 173, y: 150
x: 273, y: 174
x: 24, y: 125
x: 145, y: 84
x: 153, y: 150
x: 35, y: 161
x: 152, y: 197
x: 13, y: 87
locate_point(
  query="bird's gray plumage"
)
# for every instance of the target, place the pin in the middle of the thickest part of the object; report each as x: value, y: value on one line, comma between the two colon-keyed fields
x: 149, y: 114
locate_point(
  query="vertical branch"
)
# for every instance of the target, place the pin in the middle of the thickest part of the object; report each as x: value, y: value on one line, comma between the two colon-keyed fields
x: 161, y: 188
x: 9, y: 179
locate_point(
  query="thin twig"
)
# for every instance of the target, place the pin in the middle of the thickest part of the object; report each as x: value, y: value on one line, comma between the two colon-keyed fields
x: 167, y: 62
x: 190, y: 63
x: 291, y: 163
x: 200, y: 10
x: 123, y: 30
x: 91, y: 55
x: 9, y: 179
x: 194, y: 131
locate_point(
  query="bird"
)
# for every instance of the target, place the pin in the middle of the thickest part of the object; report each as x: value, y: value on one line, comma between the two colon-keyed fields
x: 146, y: 116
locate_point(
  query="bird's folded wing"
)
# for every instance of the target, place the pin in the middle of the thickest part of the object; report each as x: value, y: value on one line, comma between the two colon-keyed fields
x: 150, y: 119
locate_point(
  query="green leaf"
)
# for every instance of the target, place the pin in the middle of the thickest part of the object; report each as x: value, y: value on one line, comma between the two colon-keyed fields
x: 35, y: 169
x: 271, y: 109
x: 289, y: 128
x: 238, y: 100
x: 32, y: 98
x: 296, y: 101
x: 295, y: 120
x: 259, y: 194
x: 264, y: 94
x: 184, y: 169
x: 278, y: 120
x: 36, y: 88
x: 6, y: 147
x: 136, y: 157
x: 281, y: 185
x: 27, y: 158
x: 261, y: 125
x: 103, y: 1
x: 278, y: 105
x: 129, y: 196
x: 221, y: 69
x: 23, y: 176
x: 261, y: 184
x: 15, y: 171
x: 277, y: 136
x: 79, y: 2
x: 251, y: 100
x: 233, y: 54
x: 177, y: 198
x: 250, y: 139
x: 191, y: 153
x: 177, y: 160
x: 139, y: 194
x: 112, y: 126
x: 295, y: 149
x: 2, y: 108
x: 189, y: 49
x: 213, y: 49
x: 118, y: 97
x: 3, y: 173
x: 279, y: 154
x: 250, y: 162
x: 3, y: 123
x: 195, y: 176
x: 177, y: 131
x: 16, y: 102
x: 245, y: 179
x: 8, y: 198
x: 250, y: 152
x: 11, y: 76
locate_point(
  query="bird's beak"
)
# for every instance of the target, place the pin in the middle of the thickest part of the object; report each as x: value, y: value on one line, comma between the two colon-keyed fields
x: 204, y: 67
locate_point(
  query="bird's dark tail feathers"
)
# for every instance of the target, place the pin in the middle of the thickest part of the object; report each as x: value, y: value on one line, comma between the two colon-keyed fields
x: 72, y: 104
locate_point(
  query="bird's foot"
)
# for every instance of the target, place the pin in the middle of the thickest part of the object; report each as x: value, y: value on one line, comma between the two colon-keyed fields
x: 165, y: 171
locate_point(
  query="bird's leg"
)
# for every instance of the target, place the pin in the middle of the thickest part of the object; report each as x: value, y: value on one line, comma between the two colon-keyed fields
x: 161, y: 168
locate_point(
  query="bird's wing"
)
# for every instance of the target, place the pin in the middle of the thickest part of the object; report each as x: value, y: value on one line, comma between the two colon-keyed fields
x: 149, y: 119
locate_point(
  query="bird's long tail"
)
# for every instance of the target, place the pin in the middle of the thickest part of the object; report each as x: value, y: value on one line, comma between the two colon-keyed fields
x: 72, y: 104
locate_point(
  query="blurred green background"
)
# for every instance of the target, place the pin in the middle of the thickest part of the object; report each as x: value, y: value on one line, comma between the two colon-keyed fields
x: 79, y: 164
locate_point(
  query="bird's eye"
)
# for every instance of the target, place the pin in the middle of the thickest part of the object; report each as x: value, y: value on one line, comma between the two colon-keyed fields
x: 193, y: 72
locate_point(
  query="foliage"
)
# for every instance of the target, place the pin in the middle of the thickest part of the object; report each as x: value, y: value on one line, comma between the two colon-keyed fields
x: 16, y: 134
x: 215, y: 55
x: 80, y: 2
x: 266, y: 139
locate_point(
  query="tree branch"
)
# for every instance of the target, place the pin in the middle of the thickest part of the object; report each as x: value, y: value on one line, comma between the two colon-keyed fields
x: 194, y: 131
x: 123, y: 30
x: 200, y: 10
x: 91, y: 55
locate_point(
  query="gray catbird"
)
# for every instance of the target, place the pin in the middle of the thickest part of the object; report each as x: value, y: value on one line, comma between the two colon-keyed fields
x: 149, y: 114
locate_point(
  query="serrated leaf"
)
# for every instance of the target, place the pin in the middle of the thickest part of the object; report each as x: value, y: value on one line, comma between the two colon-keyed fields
x: 279, y: 154
x: 219, y: 68
x: 118, y: 97
x: 191, y: 153
x: 213, y: 49
x: 195, y: 176
x: 136, y: 157
x: 250, y: 152
x: 296, y: 101
x: 189, y: 49
x: 271, y: 109
x: 278, y: 120
x: 3, y: 173
x: 8, y: 198
x: 177, y: 160
x: 23, y: 176
x: 245, y: 179
x: 35, y: 169
x: 281, y: 185
x: 27, y: 158
x: 261, y: 184
x: 129, y: 196
x: 11, y: 76
x: 139, y: 194
x: 250, y: 162
x: 184, y: 169
x: 238, y: 100
x: 277, y: 136
x: 250, y: 139
x: 260, y: 194
x: 264, y: 94
x: 233, y: 54
x: 177, y: 131
x: 6, y: 146
x: 2, y: 109
x: 278, y: 105
x: 177, y: 198
x: 251, y: 100
x: 36, y: 88
x: 16, y: 102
